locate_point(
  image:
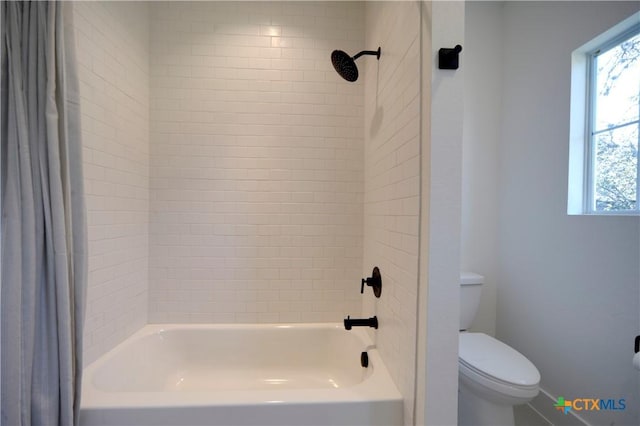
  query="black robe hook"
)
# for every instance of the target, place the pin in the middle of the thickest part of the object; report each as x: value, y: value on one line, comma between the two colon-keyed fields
x: 448, y: 58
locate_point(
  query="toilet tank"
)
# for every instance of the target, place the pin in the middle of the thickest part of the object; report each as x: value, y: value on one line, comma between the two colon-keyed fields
x: 470, y: 290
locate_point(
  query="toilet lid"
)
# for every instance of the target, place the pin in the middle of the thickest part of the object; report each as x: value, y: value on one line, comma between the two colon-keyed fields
x: 493, y: 358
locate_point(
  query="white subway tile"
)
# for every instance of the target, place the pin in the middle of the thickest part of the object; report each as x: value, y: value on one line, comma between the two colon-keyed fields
x: 116, y: 80
x: 263, y: 99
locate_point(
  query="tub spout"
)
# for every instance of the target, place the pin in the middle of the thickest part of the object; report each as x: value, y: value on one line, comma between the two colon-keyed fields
x: 360, y: 322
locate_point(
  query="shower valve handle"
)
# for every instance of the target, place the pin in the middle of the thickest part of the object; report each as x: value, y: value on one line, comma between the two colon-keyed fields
x: 374, y: 281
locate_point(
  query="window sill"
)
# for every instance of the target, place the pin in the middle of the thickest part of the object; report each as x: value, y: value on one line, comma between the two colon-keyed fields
x: 604, y: 214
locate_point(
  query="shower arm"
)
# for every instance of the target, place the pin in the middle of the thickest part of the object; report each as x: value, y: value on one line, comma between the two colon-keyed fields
x: 368, y: 52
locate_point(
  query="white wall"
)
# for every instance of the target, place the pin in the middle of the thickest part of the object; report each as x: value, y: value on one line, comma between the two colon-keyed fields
x: 482, y: 130
x: 256, y: 162
x: 113, y: 56
x: 443, y: 26
x: 392, y: 183
x: 568, y: 286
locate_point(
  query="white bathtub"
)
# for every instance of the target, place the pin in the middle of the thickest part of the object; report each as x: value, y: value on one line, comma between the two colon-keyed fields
x: 301, y: 374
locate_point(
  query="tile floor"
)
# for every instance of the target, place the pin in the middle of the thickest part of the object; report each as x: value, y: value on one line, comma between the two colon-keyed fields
x: 527, y: 416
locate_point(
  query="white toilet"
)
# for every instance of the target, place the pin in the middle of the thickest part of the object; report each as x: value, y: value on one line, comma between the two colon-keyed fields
x: 492, y: 376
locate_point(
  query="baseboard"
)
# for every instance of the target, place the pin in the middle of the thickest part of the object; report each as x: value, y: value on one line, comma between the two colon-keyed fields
x: 543, y: 405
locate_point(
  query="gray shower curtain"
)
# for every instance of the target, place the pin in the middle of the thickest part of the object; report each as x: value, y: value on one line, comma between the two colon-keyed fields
x: 42, y: 292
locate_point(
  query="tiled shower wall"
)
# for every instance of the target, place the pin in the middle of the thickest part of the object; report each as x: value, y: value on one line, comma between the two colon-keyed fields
x: 256, y: 163
x: 392, y: 184
x: 113, y: 67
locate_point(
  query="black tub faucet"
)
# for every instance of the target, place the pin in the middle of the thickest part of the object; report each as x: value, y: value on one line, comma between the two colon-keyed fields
x: 360, y: 322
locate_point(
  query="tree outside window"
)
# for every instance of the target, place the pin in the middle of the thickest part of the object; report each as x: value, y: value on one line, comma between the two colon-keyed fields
x: 615, y: 113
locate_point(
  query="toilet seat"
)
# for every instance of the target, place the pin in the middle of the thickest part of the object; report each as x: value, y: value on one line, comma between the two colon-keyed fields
x: 495, y: 365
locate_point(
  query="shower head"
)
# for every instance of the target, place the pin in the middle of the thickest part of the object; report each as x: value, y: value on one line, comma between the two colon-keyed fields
x: 345, y: 65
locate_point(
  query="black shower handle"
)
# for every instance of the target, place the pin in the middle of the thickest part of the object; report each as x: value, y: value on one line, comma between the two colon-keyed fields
x: 374, y: 281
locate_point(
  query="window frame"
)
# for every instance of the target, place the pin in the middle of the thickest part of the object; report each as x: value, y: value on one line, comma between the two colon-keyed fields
x: 581, y: 176
x: 591, y: 132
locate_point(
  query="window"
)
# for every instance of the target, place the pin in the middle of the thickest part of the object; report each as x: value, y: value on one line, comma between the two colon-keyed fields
x: 614, y: 97
x: 606, y: 146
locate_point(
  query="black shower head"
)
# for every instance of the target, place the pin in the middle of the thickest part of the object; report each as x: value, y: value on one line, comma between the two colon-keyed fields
x: 345, y: 65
